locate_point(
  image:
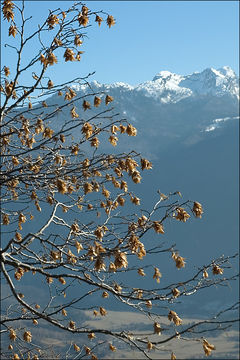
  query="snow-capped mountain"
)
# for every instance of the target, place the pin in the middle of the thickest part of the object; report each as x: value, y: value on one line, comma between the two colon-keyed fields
x: 173, y: 108
x: 168, y: 110
x: 171, y: 88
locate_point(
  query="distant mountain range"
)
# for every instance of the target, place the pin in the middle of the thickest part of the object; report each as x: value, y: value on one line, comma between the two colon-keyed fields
x: 171, y: 109
x: 168, y: 87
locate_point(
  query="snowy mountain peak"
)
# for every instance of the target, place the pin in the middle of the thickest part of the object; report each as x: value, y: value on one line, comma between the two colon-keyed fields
x: 224, y: 71
x: 171, y: 87
x: 227, y: 71
x: 213, y: 82
x: 165, y: 75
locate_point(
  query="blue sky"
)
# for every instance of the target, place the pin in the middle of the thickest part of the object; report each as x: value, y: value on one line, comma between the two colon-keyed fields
x: 150, y: 36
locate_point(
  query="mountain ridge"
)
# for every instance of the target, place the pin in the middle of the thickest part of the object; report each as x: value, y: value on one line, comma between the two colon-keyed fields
x: 163, y: 111
x: 169, y: 87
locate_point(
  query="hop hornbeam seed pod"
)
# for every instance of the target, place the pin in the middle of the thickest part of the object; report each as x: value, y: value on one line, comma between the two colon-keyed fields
x: 18, y: 236
x: 141, y: 272
x: 52, y: 20
x: 131, y: 130
x: 105, y: 294
x: 67, y: 96
x: 142, y: 221
x: 78, y: 56
x: 205, y: 274
x: 12, y: 335
x: 51, y: 59
x: 49, y: 280
x: 207, y: 347
x: 158, y: 227
x: 121, y: 200
x: 62, y: 186
x: 112, y: 267
x: 113, y: 140
x: 87, y: 350
x: 97, y: 101
x: 110, y: 21
x: 135, y: 200
x: 102, y: 311
x: 197, y: 209
x: 69, y: 55
x: 176, y: 292
x: 98, y: 19
x: 50, y: 84
x: 5, y: 219
x: 62, y: 280
x: 8, y: 90
x: 15, y: 161
x: 75, y: 228
x: 77, y: 41
x: 91, y: 336
x: 12, y: 31
x: 157, y: 328
x: 172, y: 316
x: 108, y: 99
x: 19, y: 273
x: 78, y: 246
x: 179, y: 260
x: 27, y: 336
x: 86, y: 105
x: 7, y: 10
x: 136, y: 177
x: 145, y: 164
x: 114, y: 129
x: 72, y: 325
x: 112, y: 348
x: 57, y: 41
x: 95, y: 142
x: 83, y: 20
x: 149, y: 304
x: 120, y: 260
x: 73, y: 113
x: 62, y: 138
x: 76, y: 347
x: 22, y: 218
x: 48, y: 133
x: 182, y: 215
x: 139, y: 294
x: 149, y: 346
x: 72, y: 93
x: 157, y: 274
x: 99, y: 264
x: 87, y: 130
x: 216, y: 270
